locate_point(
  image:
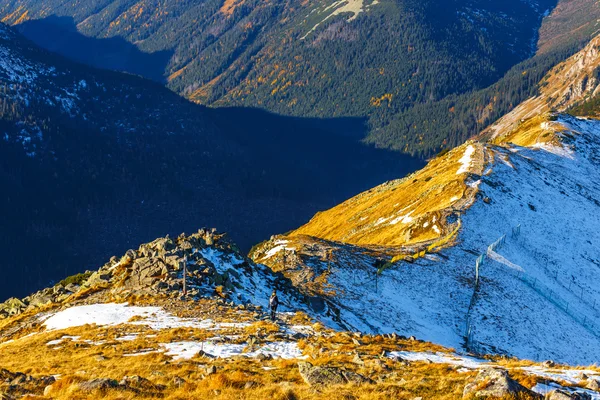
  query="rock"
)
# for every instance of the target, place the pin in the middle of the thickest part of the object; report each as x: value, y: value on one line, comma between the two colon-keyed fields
x: 178, y: 381
x: 48, y: 390
x: 47, y: 380
x: 13, y: 306
x: 98, y: 277
x: 377, y: 363
x: 252, y: 385
x: 317, y: 304
x: 20, y: 378
x: 549, y: 364
x: 98, y: 384
x: 263, y: 357
x: 492, y: 382
x: 325, y: 376
x: 39, y: 300
x: 593, y: 384
x: 161, y: 285
x: 564, y: 395
x: 357, y: 360
x: 211, y: 370
x: 139, y: 383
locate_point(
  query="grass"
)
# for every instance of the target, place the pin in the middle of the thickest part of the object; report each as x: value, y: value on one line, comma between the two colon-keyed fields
x: 425, y: 198
x: 98, y: 353
x: 77, y: 361
x: 530, y: 133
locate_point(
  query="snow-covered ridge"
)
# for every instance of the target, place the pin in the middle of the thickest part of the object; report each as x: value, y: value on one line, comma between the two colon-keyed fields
x: 536, y: 292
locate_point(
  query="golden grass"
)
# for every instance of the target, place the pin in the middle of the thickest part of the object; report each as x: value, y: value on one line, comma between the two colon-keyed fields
x: 531, y: 132
x: 425, y: 197
x: 98, y: 353
x: 76, y: 361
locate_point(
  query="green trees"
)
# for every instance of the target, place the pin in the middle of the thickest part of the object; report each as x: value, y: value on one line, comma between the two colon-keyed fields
x: 416, y: 70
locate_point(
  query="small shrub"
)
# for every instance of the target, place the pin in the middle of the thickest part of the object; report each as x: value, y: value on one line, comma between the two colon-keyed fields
x: 76, y: 279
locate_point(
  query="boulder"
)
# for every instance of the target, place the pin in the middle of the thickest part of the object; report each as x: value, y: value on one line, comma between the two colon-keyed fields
x: 564, y: 395
x: 139, y: 383
x: 40, y: 299
x: 211, y: 370
x: 98, y: 277
x: 325, y: 376
x: 13, y: 306
x: 71, y: 287
x: 593, y: 384
x: 178, y: 381
x: 98, y: 384
x: 493, y: 382
x: 252, y: 385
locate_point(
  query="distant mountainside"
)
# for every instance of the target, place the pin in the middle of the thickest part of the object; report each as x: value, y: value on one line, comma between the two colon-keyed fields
x: 420, y: 71
x: 491, y: 247
x: 92, y: 162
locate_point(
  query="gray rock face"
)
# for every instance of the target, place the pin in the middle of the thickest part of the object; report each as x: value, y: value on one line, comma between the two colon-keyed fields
x: 564, y: 395
x: 492, y: 382
x: 325, y: 376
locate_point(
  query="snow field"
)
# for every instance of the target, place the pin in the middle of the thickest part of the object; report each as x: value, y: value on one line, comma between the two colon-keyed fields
x: 112, y: 314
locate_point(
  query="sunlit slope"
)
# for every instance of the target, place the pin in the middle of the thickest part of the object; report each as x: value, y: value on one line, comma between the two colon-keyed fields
x: 416, y: 209
x: 569, y: 83
x: 406, y: 211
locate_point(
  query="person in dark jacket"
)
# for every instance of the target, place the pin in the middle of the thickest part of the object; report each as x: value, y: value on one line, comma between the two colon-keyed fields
x: 273, y: 303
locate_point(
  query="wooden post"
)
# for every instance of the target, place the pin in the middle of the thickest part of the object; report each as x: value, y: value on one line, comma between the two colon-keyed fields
x: 185, y: 275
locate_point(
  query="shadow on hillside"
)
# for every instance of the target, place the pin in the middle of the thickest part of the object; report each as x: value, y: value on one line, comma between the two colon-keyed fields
x: 322, y: 161
x: 60, y: 35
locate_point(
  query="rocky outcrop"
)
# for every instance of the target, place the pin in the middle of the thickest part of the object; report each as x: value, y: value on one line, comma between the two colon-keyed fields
x: 212, y: 266
x: 593, y: 384
x: 154, y: 267
x: 326, y: 376
x: 17, y: 384
x: 493, y: 382
x: 564, y: 395
x: 98, y: 384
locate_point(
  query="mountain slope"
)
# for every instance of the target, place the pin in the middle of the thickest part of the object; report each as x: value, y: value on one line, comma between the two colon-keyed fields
x: 305, y: 59
x: 127, y: 330
x: 96, y: 161
x: 517, y: 200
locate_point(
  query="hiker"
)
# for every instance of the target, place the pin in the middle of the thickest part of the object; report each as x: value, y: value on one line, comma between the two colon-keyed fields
x: 273, y: 303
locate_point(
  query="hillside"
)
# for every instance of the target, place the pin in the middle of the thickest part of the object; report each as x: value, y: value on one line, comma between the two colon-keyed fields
x: 514, y: 204
x: 127, y: 331
x: 407, y: 66
x: 93, y: 162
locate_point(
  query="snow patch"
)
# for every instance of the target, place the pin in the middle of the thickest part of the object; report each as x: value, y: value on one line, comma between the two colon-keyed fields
x: 466, y: 160
x: 186, y: 350
x: 114, y: 314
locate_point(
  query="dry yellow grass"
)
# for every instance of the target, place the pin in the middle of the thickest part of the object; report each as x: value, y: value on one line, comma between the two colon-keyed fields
x: 402, y: 212
x: 539, y: 130
x: 77, y: 361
